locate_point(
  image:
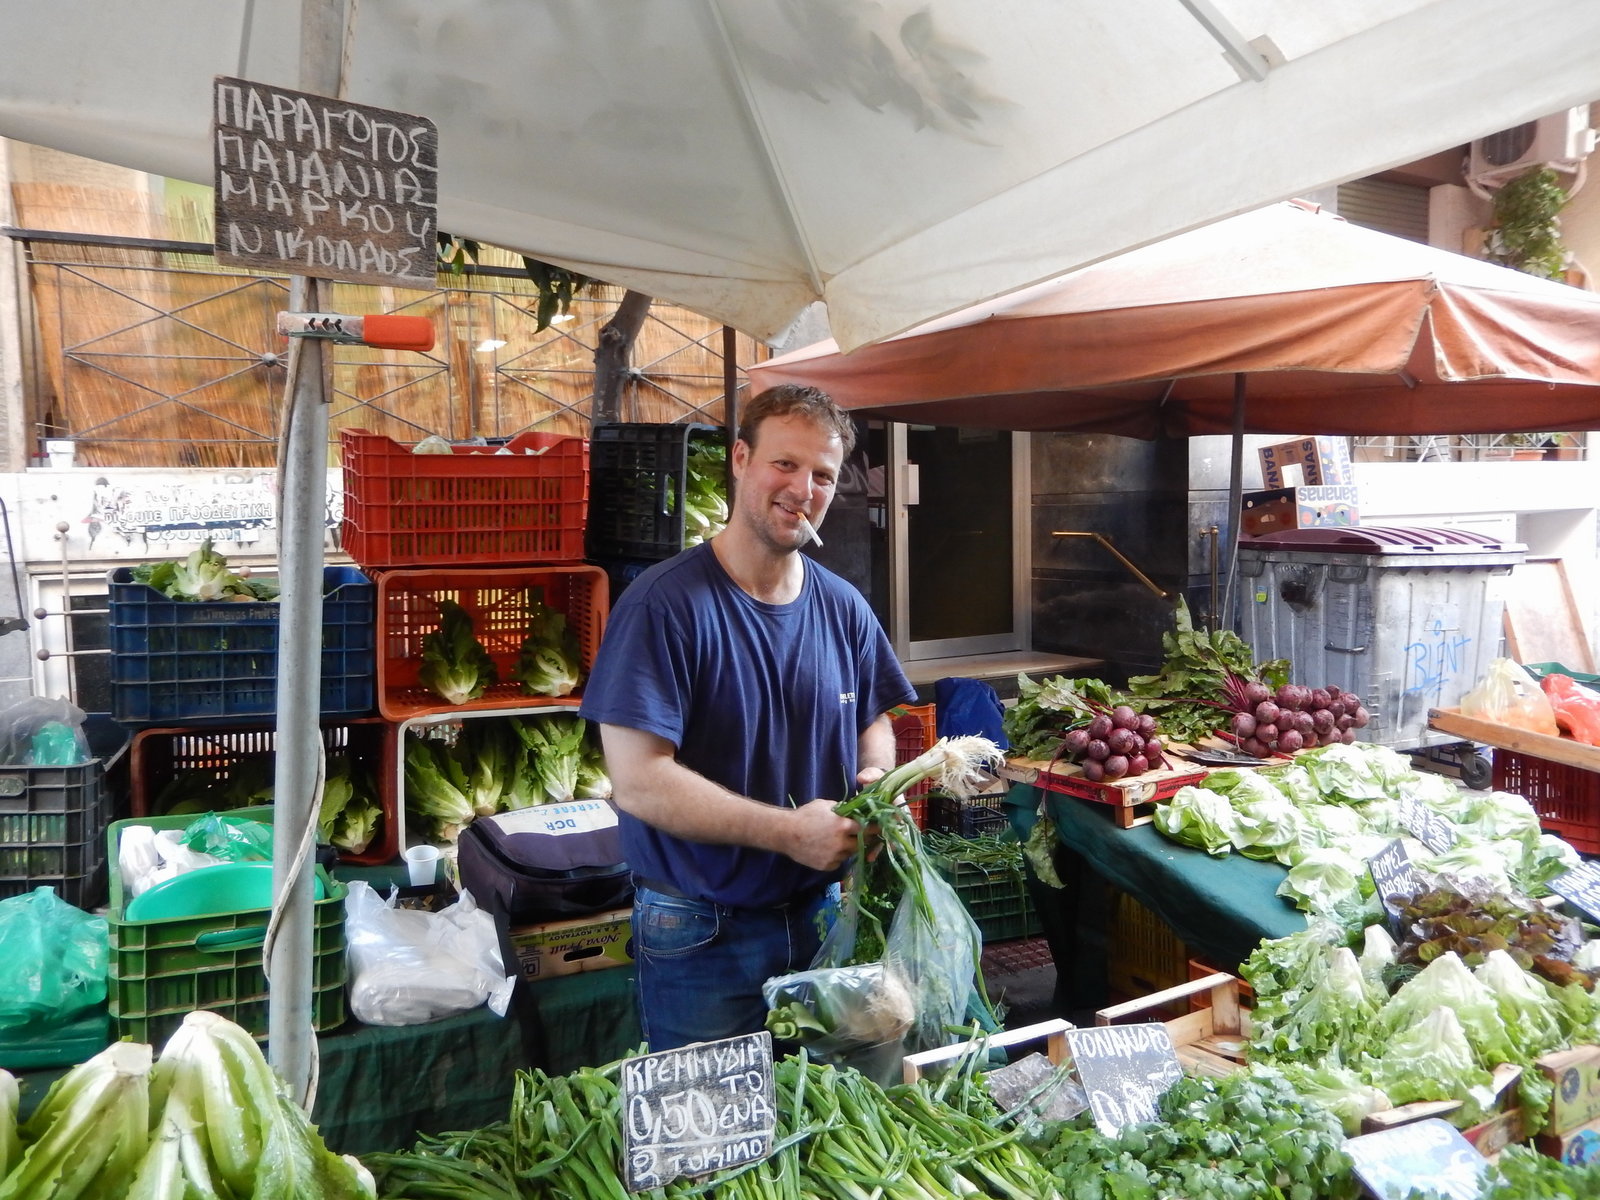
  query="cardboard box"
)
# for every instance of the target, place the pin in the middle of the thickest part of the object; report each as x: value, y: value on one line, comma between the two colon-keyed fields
x: 1577, y: 1147
x: 1576, y: 1076
x: 1312, y: 461
x: 568, y: 947
x: 1300, y: 508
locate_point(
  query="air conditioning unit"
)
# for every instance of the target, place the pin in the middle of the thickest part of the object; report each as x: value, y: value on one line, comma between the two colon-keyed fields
x: 1562, y: 138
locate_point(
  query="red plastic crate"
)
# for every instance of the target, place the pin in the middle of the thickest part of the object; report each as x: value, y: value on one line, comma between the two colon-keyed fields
x: 408, y: 610
x: 473, y: 505
x: 1566, y: 798
x: 914, y: 732
x: 156, y: 756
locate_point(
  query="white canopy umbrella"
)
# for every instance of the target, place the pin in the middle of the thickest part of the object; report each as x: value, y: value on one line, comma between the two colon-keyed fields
x: 898, y: 160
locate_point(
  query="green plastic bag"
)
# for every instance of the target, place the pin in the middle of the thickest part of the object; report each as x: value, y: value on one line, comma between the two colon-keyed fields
x: 232, y: 839
x: 52, y: 961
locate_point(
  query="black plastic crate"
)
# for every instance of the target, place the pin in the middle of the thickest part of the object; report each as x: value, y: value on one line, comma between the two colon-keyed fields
x: 972, y: 817
x: 636, y: 480
x: 52, y: 831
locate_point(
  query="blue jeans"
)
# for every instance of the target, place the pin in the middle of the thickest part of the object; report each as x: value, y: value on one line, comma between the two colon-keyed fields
x: 700, y: 966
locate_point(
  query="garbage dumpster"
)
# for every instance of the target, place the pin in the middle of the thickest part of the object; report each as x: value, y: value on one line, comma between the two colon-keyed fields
x: 1407, y: 618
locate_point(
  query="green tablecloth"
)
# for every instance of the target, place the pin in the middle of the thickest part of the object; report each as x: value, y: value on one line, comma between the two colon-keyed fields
x: 1220, y: 907
x: 380, y: 1087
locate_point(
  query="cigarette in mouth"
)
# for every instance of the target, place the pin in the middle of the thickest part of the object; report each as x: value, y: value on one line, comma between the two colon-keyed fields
x: 810, y: 528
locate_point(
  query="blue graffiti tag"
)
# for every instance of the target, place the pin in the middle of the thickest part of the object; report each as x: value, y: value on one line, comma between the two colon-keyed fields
x: 1437, y: 659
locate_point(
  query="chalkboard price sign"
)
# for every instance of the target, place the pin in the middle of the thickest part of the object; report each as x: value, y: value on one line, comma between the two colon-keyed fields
x: 1428, y: 827
x: 1393, y: 874
x: 1580, y: 886
x: 697, y: 1109
x: 1430, y: 1154
x: 322, y: 187
x: 1124, y: 1070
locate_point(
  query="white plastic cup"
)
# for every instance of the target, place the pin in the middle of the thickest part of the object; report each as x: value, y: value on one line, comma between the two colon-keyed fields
x: 423, y: 864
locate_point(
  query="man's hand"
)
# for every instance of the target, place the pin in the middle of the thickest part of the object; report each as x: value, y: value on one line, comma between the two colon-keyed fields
x: 822, y: 840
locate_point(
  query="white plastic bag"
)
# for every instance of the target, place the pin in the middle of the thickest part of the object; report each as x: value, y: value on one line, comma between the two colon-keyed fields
x: 408, y: 966
x: 147, y: 856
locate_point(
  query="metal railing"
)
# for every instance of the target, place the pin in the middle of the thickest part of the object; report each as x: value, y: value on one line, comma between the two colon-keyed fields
x: 1469, y: 447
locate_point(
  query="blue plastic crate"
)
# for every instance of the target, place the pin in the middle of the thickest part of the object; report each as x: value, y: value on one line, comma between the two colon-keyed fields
x: 176, y: 662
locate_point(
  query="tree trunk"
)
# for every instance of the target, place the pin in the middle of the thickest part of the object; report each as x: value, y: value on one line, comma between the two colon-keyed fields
x: 612, y: 355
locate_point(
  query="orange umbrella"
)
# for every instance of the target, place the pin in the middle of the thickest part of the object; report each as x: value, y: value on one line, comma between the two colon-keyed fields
x: 1338, y: 330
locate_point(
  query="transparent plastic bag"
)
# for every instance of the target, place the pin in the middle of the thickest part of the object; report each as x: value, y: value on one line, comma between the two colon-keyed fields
x: 40, y: 732
x: 52, y: 961
x: 1508, y: 695
x: 870, y: 1015
x: 409, y: 966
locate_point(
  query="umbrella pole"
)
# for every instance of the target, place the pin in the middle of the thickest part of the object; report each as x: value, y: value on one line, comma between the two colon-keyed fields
x: 1230, y: 587
x: 302, y: 509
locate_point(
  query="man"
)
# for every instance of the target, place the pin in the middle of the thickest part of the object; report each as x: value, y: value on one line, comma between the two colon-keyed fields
x: 741, y: 690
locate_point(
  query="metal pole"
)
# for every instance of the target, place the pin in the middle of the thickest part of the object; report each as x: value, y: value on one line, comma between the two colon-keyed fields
x: 302, y: 491
x: 1235, y: 504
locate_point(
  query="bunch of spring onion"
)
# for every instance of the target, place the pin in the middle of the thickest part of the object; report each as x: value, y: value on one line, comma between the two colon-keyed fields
x: 837, y: 1136
x: 885, y: 983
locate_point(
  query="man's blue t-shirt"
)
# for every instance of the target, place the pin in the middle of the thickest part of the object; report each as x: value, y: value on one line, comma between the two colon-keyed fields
x: 768, y: 700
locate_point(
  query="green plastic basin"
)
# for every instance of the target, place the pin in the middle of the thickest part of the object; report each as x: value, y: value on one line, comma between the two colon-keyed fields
x: 224, y: 888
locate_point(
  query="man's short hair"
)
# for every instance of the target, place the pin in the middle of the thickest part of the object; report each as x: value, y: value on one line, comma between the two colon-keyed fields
x: 793, y: 399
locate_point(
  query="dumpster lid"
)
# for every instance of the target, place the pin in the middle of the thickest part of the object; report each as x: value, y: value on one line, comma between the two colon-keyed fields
x: 1383, y: 539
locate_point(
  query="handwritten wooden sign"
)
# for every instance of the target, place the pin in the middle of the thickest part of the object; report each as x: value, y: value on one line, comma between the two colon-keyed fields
x: 697, y: 1109
x: 322, y: 187
x: 1124, y: 1069
x: 1393, y: 875
x: 1432, y: 829
x: 1580, y: 886
x: 1424, y: 1154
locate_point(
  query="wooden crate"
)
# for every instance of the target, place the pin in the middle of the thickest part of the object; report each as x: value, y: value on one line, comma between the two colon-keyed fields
x: 1130, y: 799
x: 1053, y: 1033
x: 1211, y: 1039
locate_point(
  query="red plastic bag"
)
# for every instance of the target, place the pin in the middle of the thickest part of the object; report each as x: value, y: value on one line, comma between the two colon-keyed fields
x: 1577, y: 708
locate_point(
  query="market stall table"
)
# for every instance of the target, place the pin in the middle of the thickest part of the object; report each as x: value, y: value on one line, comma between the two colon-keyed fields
x: 1221, y: 908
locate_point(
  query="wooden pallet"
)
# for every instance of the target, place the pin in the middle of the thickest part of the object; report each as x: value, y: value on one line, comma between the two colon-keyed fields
x: 1210, y: 1040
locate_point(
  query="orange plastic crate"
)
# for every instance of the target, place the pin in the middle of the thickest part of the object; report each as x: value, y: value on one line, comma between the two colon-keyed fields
x: 497, y: 602
x: 914, y: 732
x: 473, y: 505
x: 1566, y: 798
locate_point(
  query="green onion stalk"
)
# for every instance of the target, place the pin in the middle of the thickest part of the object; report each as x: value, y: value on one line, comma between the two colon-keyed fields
x: 890, y: 859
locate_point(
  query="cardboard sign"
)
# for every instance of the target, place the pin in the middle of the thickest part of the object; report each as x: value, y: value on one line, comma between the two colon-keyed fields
x: 1580, y: 886
x: 1317, y: 461
x: 697, y: 1109
x: 1430, y: 1154
x: 315, y: 186
x: 1124, y: 1069
x: 1430, y: 828
x: 1393, y: 875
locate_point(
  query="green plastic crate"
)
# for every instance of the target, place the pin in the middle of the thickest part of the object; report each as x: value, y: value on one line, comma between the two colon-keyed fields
x: 161, y: 970
x: 997, y: 901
